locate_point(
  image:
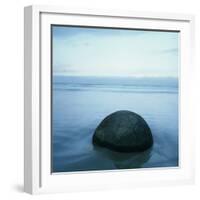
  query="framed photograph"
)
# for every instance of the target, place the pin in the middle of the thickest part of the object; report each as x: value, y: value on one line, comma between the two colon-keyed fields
x: 108, y: 99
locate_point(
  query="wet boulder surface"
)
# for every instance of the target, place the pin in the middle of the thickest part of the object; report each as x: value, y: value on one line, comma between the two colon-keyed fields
x: 123, y: 131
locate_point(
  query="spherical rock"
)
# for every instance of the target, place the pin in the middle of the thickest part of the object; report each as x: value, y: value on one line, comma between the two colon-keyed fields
x: 123, y: 131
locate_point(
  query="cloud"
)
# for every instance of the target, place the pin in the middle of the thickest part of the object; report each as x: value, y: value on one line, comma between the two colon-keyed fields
x: 94, y: 51
x: 171, y: 50
x: 63, y: 32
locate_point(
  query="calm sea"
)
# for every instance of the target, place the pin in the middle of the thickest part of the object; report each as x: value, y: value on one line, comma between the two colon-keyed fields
x: 81, y: 103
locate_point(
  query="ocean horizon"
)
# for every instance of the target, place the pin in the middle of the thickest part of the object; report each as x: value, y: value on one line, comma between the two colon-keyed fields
x: 123, y: 83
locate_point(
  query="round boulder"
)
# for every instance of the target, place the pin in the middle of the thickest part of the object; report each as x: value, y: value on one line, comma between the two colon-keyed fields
x: 123, y: 131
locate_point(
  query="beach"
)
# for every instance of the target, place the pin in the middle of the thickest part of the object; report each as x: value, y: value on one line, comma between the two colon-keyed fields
x: 80, y: 103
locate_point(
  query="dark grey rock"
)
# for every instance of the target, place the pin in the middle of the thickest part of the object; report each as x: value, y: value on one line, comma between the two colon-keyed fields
x: 123, y: 131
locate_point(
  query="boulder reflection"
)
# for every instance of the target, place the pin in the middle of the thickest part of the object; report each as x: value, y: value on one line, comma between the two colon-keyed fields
x: 125, y: 160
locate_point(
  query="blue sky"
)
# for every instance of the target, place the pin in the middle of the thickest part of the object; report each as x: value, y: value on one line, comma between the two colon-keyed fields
x: 114, y: 52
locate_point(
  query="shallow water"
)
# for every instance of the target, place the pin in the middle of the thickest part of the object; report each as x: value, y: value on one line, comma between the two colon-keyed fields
x: 80, y: 104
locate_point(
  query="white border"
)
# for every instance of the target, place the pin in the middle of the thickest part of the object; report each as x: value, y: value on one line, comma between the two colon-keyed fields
x: 38, y: 177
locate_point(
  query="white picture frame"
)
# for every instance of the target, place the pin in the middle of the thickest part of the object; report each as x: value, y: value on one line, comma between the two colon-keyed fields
x: 37, y: 147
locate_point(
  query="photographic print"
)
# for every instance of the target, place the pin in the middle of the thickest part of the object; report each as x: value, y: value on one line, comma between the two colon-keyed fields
x: 114, y: 98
